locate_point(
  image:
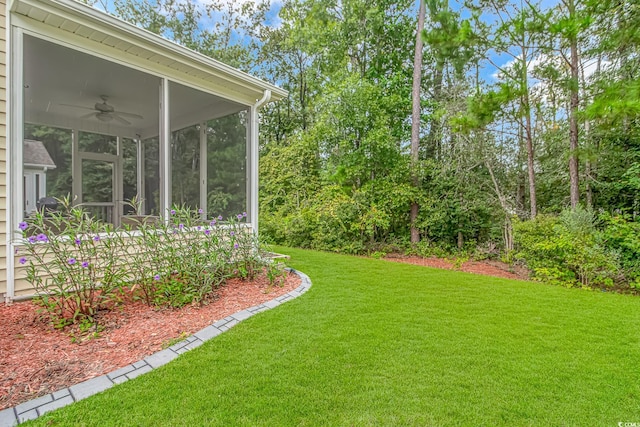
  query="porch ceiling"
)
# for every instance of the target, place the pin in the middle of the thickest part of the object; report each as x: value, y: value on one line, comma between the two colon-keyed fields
x: 81, y: 79
x: 62, y: 85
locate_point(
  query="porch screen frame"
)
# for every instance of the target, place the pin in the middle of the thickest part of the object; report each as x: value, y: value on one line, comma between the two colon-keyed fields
x: 19, y: 27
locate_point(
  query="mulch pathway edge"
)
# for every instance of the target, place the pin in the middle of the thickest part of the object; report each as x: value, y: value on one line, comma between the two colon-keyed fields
x: 35, y: 408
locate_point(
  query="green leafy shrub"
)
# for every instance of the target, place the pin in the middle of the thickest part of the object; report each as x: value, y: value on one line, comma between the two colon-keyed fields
x: 568, y: 249
x: 71, y: 265
x: 622, y: 234
x: 79, y: 266
x: 275, y: 273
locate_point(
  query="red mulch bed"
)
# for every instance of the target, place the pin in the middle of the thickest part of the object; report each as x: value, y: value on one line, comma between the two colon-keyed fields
x: 37, y: 359
x: 485, y: 268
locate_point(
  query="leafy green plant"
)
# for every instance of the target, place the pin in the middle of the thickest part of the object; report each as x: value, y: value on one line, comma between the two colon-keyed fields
x: 71, y: 265
x: 378, y: 254
x: 80, y: 266
x: 568, y: 249
x: 275, y: 273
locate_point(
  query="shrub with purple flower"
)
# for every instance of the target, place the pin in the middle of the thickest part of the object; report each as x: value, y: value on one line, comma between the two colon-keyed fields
x: 163, y: 266
x: 53, y: 256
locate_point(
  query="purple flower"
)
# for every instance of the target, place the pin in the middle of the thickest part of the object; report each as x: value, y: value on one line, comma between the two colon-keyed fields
x: 96, y: 238
x: 23, y: 226
x: 85, y: 264
x: 239, y: 216
x: 16, y: 251
x: 219, y: 217
x: 71, y: 261
x: 78, y: 242
x: 172, y: 211
x: 23, y: 260
x: 181, y: 226
x: 244, y: 214
x: 198, y: 228
x: 207, y: 231
x: 42, y: 238
x: 236, y: 246
x: 213, y: 222
x: 200, y: 211
x: 32, y: 239
x: 232, y: 233
x: 156, y: 277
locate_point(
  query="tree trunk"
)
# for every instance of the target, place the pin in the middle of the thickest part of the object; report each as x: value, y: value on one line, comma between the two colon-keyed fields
x: 415, y: 119
x: 526, y: 109
x: 530, y: 158
x: 589, y: 166
x: 508, y: 228
x: 573, y: 115
x: 433, y: 138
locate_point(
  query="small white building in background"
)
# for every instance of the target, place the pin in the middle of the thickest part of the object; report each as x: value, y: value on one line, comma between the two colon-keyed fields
x: 36, y: 163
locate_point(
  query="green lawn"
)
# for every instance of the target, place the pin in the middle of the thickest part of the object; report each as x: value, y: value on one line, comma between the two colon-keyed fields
x: 380, y: 343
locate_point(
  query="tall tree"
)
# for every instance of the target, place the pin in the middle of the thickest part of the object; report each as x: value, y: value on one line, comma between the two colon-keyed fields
x: 574, y: 102
x: 516, y: 35
x: 415, y: 117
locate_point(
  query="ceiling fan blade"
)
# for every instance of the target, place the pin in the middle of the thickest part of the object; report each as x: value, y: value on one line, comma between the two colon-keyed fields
x: 117, y: 118
x: 132, y: 115
x: 86, y: 116
x: 77, y: 106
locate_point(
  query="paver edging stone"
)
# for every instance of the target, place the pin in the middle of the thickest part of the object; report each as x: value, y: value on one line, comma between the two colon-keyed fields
x: 37, y: 407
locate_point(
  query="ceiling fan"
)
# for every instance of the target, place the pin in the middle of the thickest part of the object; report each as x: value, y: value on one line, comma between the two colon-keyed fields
x: 105, y: 112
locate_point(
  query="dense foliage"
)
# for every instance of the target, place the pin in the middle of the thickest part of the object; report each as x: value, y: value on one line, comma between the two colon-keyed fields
x: 526, y: 111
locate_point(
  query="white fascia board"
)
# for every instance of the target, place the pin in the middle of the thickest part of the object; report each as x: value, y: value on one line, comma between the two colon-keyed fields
x: 92, y: 18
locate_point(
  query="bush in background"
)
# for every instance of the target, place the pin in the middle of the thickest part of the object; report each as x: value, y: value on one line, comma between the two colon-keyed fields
x: 580, y: 248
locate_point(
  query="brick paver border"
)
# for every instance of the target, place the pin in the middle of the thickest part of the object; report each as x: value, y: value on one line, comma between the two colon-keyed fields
x: 41, y: 405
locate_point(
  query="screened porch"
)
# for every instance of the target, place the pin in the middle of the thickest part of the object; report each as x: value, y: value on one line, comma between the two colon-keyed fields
x: 101, y: 124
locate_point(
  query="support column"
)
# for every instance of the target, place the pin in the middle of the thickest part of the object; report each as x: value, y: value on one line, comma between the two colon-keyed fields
x: 76, y: 169
x: 118, y: 184
x: 203, y: 170
x: 252, y: 159
x: 165, y: 151
x: 248, y: 172
x: 252, y: 169
x: 140, y: 183
x: 14, y: 147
